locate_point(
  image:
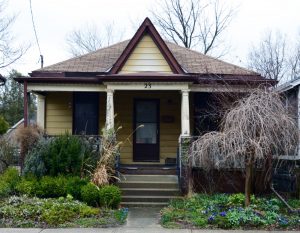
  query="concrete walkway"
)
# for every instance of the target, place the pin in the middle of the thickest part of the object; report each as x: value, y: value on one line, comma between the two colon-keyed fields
x: 140, y: 220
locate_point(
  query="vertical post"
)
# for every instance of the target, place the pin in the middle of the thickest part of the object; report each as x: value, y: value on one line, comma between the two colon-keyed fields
x: 40, y: 119
x: 185, y: 113
x: 110, y: 109
x: 25, y: 105
x: 298, y: 115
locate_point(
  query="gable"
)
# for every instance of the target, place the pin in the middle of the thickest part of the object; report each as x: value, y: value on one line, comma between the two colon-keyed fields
x: 146, y: 57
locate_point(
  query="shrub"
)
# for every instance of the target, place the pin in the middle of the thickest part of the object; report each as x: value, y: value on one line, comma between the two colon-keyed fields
x: 74, y: 185
x: 52, y: 187
x: 3, y: 125
x: 4, y: 189
x: 11, y: 177
x: 237, y: 199
x: 90, y: 194
x: 27, y: 186
x: 110, y: 196
x: 34, y: 161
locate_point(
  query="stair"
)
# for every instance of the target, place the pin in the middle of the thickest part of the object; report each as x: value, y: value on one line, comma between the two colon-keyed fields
x: 148, y: 190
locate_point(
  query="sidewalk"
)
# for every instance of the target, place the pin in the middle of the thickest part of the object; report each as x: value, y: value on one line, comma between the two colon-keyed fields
x: 127, y: 230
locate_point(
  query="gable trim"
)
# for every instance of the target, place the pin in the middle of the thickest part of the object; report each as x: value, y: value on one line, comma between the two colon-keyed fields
x: 147, y: 28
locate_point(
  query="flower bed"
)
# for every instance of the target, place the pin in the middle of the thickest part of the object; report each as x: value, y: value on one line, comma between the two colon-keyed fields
x: 62, y: 212
x: 227, y: 212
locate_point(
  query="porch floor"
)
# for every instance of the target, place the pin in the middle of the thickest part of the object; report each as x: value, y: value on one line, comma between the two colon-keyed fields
x: 144, y: 169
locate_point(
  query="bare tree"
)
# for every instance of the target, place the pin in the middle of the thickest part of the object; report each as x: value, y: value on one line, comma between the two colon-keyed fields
x: 193, y: 23
x: 255, y: 129
x: 294, y: 62
x: 90, y: 38
x: 269, y: 57
x: 8, y: 53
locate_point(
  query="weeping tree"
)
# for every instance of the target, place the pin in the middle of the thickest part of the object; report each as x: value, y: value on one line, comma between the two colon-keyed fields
x: 256, y: 128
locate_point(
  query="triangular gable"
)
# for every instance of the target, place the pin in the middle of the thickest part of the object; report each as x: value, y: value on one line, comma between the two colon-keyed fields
x: 146, y: 32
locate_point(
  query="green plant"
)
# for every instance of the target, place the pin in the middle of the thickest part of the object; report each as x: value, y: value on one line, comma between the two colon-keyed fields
x: 52, y: 187
x: 110, y: 196
x: 4, y: 189
x: 237, y: 199
x: 74, y: 185
x: 90, y: 194
x: 11, y: 177
x: 27, y: 186
x: 34, y: 161
x: 3, y: 125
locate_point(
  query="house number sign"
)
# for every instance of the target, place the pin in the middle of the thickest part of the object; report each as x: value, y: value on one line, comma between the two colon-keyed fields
x: 147, y: 85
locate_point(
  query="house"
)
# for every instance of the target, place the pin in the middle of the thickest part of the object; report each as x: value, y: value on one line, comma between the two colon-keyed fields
x: 2, y: 80
x: 151, y: 87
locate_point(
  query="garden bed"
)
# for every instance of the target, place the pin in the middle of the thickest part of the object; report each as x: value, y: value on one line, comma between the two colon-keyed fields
x: 60, y: 212
x: 227, y: 212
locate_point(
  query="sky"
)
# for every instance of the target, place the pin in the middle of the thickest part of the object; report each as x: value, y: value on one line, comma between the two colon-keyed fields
x: 54, y: 19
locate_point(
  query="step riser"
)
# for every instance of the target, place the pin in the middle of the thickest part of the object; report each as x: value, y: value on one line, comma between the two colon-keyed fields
x: 146, y: 199
x: 144, y: 204
x: 153, y: 178
x: 150, y: 192
x: 149, y: 185
x: 148, y: 172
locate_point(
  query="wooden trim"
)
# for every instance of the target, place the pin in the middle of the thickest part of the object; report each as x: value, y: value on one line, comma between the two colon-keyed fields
x: 147, y: 27
x: 147, y: 86
x: 54, y: 87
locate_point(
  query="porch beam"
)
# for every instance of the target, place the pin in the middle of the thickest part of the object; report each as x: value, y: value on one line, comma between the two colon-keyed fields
x: 147, y: 86
x: 109, y: 109
x: 41, y: 87
x: 185, y: 113
x: 40, y: 119
x: 220, y: 88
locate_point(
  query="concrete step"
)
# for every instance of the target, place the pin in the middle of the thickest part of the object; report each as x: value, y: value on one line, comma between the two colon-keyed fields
x: 150, y: 199
x: 144, y: 204
x: 150, y: 191
x: 160, y: 178
x: 148, y: 184
x: 166, y: 170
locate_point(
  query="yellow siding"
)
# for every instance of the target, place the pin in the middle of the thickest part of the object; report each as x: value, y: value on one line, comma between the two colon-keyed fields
x: 58, y: 113
x: 146, y: 57
x: 169, y: 132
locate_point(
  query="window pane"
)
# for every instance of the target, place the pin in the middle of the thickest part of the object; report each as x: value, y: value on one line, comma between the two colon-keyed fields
x: 145, y: 111
x: 146, y: 133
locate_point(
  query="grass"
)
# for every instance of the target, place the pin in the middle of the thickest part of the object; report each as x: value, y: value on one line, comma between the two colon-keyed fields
x: 60, y: 212
x: 227, y: 212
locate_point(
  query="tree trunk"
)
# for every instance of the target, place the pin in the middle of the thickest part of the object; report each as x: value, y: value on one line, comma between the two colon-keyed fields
x: 248, y: 182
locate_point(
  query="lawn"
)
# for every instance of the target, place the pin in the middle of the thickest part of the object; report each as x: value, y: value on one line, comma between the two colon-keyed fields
x: 228, y: 212
x: 56, y: 212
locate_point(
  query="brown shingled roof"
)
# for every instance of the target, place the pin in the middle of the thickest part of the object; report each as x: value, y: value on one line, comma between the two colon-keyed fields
x: 103, y: 59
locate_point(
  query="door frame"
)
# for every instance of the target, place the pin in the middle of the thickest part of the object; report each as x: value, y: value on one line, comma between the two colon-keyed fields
x: 74, y: 98
x: 157, y: 101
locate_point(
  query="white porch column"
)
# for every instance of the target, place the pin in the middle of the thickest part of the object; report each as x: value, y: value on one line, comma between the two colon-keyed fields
x: 110, y: 109
x: 298, y: 115
x: 185, y: 113
x: 40, y: 118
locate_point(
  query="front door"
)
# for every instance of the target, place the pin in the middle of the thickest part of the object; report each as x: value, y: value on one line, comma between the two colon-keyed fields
x: 146, y: 131
x: 85, y: 113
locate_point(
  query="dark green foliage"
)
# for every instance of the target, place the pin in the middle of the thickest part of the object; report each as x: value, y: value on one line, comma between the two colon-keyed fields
x: 110, y: 196
x: 11, y: 176
x: 3, y: 125
x: 52, y: 187
x: 74, y: 185
x: 4, y: 189
x: 227, y: 212
x: 28, y: 187
x: 62, y: 155
x: 90, y: 194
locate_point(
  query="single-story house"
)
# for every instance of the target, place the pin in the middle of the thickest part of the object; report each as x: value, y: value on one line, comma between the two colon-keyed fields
x: 154, y: 89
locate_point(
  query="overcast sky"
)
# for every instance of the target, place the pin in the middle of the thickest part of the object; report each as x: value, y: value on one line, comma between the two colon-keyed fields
x: 54, y: 19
